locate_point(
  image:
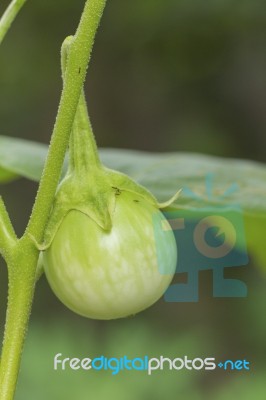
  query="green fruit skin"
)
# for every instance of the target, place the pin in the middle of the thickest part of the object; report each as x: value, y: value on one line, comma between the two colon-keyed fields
x: 108, y: 275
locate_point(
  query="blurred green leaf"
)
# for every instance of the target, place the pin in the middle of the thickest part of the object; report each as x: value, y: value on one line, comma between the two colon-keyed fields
x: 6, y: 176
x: 255, y: 226
x: 22, y: 158
x: 205, y: 180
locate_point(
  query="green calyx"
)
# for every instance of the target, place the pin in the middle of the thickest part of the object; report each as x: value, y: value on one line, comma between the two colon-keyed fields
x: 88, y: 186
x: 94, y: 193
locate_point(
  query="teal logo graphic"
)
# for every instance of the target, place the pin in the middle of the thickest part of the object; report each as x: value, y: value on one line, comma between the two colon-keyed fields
x: 209, y: 238
x: 238, y: 365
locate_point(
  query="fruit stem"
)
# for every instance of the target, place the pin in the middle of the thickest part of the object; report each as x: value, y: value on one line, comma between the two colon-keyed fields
x: 83, y: 152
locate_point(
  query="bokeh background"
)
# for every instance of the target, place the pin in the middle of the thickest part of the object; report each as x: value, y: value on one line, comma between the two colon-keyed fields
x: 166, y: 75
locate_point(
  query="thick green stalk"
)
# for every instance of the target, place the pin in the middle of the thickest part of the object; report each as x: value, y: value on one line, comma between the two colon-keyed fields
x: 77, y: 63
x: 9, y: 16
x: 22, y: 260
x: 21, y: 285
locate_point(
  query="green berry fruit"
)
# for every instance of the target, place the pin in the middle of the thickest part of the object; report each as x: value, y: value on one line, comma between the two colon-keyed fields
x: 106, y: 274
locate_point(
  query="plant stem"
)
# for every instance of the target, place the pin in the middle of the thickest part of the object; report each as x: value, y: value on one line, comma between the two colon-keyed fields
x: 78, y: 59
x: 20, y: 296
x: 9, y: 16
x: 7, y: 235
x: 22, y: 261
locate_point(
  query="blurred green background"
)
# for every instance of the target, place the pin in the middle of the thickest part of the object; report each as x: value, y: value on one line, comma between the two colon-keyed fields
x: 166, y: 75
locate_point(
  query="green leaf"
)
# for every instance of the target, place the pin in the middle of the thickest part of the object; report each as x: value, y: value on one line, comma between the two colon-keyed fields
x: 255, y: 226
x: 163, y: 174
x: 6, y: 176
x: 205, y: 180
x: 20, y: 157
